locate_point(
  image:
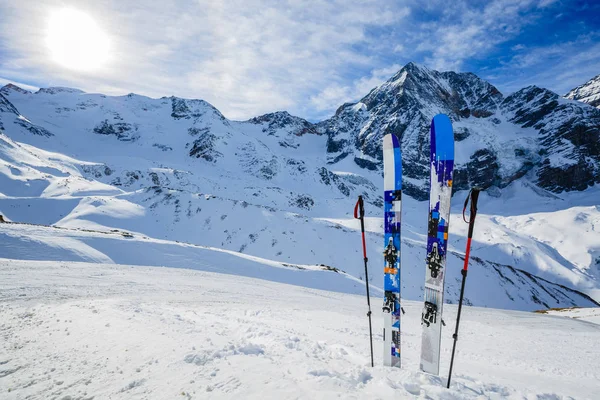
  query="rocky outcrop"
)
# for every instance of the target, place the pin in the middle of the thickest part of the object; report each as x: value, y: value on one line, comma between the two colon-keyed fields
x: 282, y: 120
x: 569, y: 137
x: 588, y: 93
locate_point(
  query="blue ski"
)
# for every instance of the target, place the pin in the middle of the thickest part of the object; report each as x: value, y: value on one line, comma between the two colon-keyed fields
x: 392, y: 184
x: 442, y: 165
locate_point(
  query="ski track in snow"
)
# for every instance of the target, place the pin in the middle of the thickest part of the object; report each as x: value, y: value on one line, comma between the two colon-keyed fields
x: 83, y: 331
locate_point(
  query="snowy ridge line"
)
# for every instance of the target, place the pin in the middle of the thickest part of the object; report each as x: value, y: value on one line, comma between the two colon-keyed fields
x: 144, y: 238
x: 532, y: 280
x: 111, y: 232
x: 589, y: 315
x: 127, y: 234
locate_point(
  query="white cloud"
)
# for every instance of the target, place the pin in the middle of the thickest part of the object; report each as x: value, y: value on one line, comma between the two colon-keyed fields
x: 466, y: 31
x: 546, y: 3
x: 334, y: 95
x: 245, y: 57
x: 308, y: 57
x: 558, y: 67
x: 22, y: 85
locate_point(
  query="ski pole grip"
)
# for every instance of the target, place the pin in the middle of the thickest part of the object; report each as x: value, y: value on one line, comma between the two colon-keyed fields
x: 474, y: 198
x: 361, y: 207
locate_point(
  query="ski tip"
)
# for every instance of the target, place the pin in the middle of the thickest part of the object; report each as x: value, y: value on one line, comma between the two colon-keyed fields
x: 443, y: 136
x: 440, y: 120
x: 391, y: 141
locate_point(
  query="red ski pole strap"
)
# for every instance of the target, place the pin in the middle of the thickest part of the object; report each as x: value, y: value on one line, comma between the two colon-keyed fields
x: 356, y: 209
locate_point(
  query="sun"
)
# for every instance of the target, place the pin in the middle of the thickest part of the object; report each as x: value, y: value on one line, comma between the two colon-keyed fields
x: 75, y: 40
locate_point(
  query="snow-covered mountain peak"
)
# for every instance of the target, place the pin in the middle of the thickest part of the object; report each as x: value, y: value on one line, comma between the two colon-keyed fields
x: 588, y: 93
x: 6, y: 89
x: 498, y: 139
x: 460, y: 94
x: 59, y: 89
x: 279, y: 120
x: 193, y: 109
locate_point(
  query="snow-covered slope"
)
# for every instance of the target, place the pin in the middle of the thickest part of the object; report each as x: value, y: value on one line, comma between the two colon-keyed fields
x: 589, y: 92
x: 283, y: 189
x: 82, y: 331
x: 495, y: 284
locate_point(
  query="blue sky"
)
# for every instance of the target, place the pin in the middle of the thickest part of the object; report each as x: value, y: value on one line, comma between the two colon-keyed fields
x: 308, y: 57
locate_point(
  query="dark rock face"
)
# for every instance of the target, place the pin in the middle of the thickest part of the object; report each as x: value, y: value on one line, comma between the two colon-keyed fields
x: 179, y: 109
x: 481, y: 170
x: 302, y: 201
x: 193, y: 109
x: 530, y: 105
x: 276, y: 121
x: 123, y: 131
x: 569, y: 138
x: 57, y: 90
x: 35, y: 129
x: 5, y: 90
x: 363, y: 163
x: 204, y: 147
x: 329, y: 178
x: 6, y: 106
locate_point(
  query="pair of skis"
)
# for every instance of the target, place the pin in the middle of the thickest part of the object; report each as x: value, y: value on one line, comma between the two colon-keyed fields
x: 442, y: 164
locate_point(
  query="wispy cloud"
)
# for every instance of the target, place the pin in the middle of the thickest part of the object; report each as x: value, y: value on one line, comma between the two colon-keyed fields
x: 246, y: 57
x: 337, y: 94
x: 559, y: 67
x: 467, y: 30
x: 308, y: 57
x: 19, y: 84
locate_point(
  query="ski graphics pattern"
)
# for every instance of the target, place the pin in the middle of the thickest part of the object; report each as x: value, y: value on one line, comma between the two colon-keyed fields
x: 442, y: 165
x: 392, y: 184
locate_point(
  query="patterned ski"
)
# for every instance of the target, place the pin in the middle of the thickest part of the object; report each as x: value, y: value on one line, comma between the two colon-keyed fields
x: 392, y: 184
x: 442, y: 164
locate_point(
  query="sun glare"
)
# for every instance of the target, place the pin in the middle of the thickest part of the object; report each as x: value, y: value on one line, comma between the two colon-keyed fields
x: 75, y: 40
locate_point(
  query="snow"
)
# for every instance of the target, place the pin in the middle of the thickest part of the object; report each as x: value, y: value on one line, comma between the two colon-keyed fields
x: 583, y: 314
x: 589, y: 92
x: 503, y: 137
x: 80, y: 330
x: 269, y: 193
x: 149, y: 272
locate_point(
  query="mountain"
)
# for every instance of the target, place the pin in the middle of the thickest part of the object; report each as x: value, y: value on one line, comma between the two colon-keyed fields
x: 588, y: 93
x: 283, y: 189
x: 500, y: 139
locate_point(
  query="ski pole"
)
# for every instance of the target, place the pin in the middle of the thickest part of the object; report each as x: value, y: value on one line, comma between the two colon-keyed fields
x: 473, y: 196
x: 359, y: 212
